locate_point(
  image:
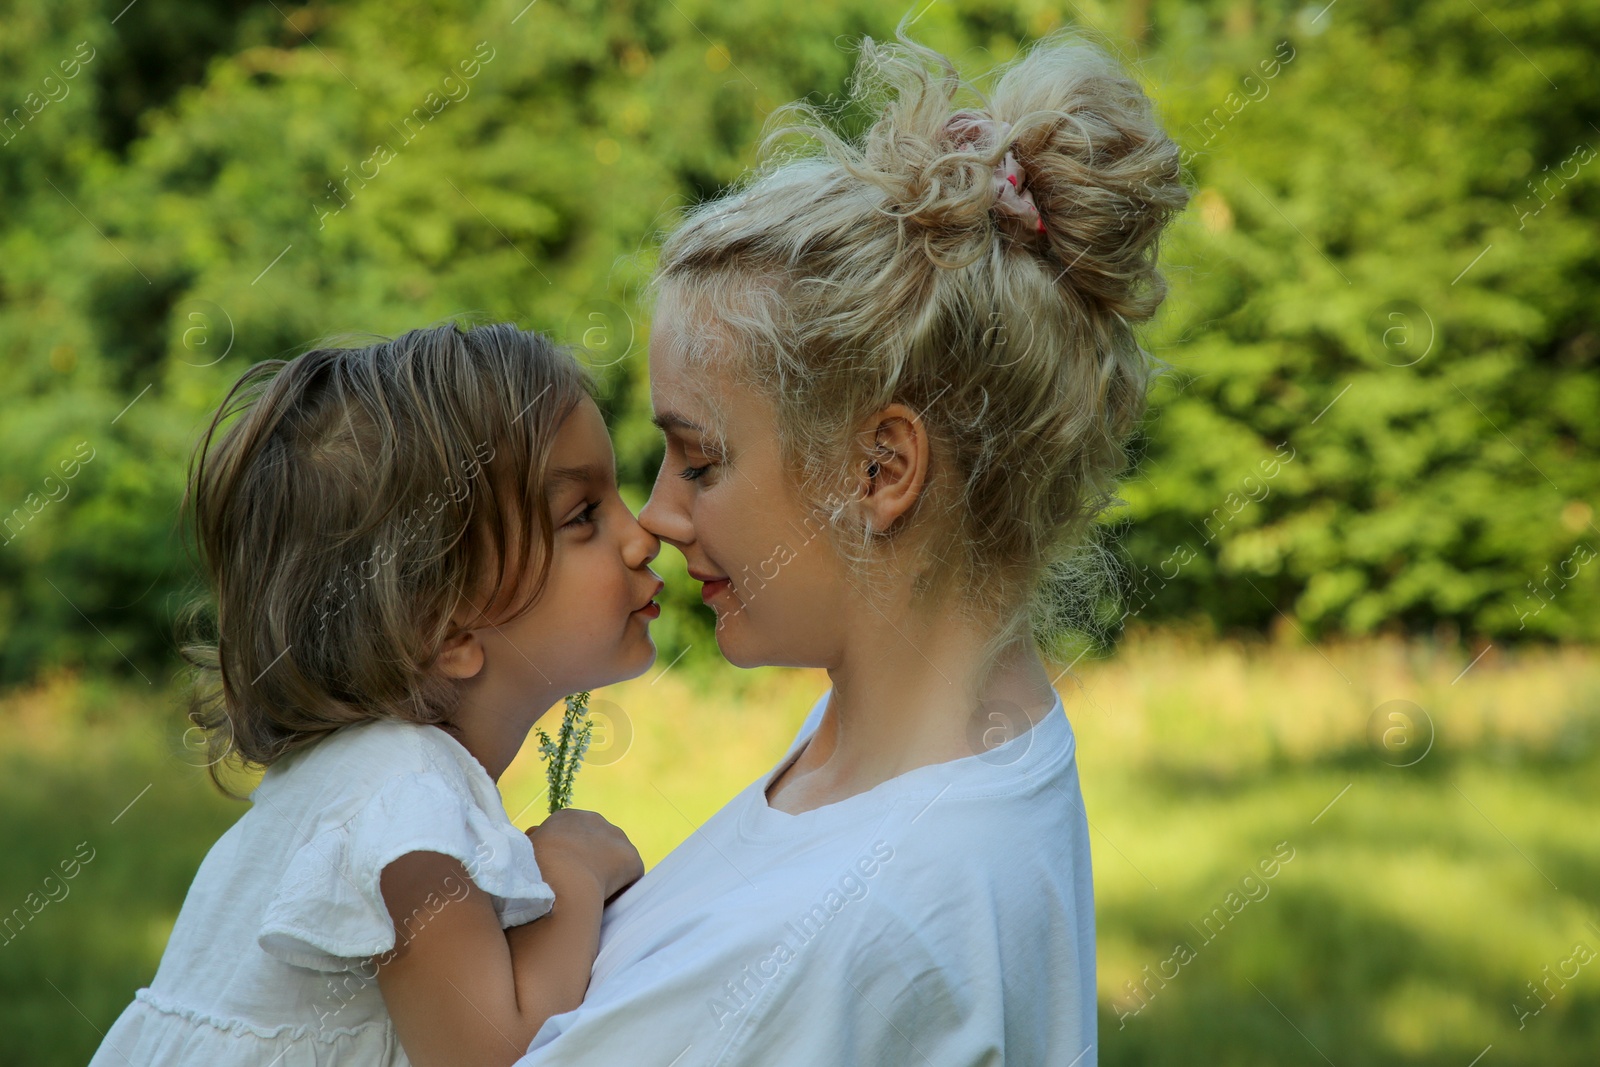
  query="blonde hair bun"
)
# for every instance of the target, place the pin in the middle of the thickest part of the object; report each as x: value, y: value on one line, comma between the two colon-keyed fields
x: 1104, y: 174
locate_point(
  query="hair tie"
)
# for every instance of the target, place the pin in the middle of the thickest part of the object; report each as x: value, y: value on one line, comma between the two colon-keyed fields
x: 974, y: 131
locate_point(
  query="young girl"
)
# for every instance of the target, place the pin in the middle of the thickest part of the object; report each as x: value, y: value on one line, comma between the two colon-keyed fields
x: 895, y: 376
x: 416, y: 548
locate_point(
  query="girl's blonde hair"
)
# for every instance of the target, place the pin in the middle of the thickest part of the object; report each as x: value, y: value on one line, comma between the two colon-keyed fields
x: 872, y: 270
x: 356, y: 498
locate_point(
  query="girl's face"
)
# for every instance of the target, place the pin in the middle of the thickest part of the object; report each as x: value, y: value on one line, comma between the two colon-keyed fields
x: 724, y: 501
x: 590, y: 626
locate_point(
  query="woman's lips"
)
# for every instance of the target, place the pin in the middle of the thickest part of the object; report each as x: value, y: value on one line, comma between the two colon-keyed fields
x: 710, y: 586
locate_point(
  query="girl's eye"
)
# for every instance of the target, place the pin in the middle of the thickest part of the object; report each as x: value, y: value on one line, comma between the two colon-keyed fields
x: 586, y: 516
x: 693, y: 473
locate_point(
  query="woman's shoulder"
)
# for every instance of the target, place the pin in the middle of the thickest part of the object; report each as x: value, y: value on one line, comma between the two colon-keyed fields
x: 989, y: 830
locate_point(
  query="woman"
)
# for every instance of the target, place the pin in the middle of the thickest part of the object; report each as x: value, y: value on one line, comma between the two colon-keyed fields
x: 895, y: 379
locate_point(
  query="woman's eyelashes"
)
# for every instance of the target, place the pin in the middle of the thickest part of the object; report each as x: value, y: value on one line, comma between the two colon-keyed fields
x: 678, y: 452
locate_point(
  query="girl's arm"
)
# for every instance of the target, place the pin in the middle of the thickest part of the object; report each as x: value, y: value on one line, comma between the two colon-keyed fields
x: 461, y: 990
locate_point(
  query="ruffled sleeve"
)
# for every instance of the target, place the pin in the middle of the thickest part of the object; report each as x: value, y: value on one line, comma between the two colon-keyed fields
x: 327, y: 912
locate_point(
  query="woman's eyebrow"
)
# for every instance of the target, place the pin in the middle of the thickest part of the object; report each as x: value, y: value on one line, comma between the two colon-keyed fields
x: 667, y: 421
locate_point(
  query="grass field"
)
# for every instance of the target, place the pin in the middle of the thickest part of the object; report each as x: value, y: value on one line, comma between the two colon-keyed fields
x: 1410, y: 916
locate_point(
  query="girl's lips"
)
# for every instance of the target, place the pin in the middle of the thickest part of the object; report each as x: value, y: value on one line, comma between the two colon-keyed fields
x: 651, y: 609
x: 711, y: 589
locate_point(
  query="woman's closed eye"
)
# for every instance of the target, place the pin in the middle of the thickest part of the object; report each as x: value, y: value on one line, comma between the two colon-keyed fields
x: 693, y: 473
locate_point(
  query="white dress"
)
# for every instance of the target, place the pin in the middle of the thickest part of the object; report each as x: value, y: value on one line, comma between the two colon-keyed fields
x: 270, y: 963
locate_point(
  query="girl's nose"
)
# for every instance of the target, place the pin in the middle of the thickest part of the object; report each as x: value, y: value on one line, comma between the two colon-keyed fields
x: 642, y: 546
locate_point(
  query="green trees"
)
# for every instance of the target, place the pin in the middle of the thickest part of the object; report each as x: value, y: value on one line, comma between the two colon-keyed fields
x: 228, y: 182
x: 1392, y: 271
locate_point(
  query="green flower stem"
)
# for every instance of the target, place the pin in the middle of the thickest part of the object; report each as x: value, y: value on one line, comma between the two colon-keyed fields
x: 564, y: 753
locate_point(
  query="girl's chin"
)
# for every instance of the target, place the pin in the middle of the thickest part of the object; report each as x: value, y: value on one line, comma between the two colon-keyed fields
x: 633, y: 659
x: 645, y: 658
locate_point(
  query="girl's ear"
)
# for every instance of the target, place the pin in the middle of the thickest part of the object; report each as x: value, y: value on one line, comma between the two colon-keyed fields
x: 461, y: 655
x: 895, y: 461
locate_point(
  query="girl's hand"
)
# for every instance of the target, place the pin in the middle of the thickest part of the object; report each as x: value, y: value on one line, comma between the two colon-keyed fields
x: 572, y: 842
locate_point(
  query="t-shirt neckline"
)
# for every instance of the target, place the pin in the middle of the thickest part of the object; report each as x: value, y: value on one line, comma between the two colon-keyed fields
x: 1041, y: 747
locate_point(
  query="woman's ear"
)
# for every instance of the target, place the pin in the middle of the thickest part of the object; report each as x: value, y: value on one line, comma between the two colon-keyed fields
x: 461, y: 656
x: 894, y: 464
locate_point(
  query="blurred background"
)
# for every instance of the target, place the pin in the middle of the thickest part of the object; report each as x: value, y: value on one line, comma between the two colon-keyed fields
x: 1353, y: 639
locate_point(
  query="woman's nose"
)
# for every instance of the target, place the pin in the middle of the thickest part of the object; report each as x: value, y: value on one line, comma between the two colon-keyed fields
x: 665, y: 516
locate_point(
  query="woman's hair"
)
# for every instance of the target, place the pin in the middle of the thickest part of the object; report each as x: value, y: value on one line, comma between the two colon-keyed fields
x: 357, y: 497
x: 872, y: 270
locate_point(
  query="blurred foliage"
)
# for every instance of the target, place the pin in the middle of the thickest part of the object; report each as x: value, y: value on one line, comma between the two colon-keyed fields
x: 1362, y: 283
x: 1391, y: 276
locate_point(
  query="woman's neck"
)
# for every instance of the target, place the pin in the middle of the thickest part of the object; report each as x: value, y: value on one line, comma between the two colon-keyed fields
x: 907, y: 698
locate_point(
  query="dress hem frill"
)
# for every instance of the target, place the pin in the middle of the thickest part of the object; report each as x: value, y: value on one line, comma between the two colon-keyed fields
x: 293, y: 1031
x: 158, y: 1030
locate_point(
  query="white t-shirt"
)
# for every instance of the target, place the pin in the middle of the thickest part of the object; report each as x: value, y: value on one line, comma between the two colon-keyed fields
x: 270, y: 960
x: 944, y: 917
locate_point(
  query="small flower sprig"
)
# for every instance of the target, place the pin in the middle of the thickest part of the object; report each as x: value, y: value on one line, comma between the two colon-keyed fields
x: 564, y: 752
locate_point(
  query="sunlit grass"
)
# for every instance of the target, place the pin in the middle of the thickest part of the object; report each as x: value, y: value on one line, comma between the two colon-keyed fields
x: 1416, y: 909
x: 1417, y: 906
